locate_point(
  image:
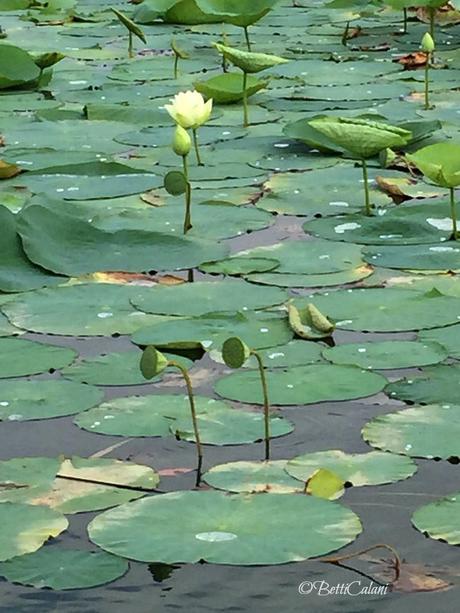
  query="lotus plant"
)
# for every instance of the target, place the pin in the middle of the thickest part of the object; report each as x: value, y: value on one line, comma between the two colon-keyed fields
x: 179, y: 54
x: 152, y: 364
x: 364, y: 139
x: 248, y: 63
x: 177, y: 182
x: 235, y: 353
x: 133, y: 30
x: 190, y: 111
x: 428, y: 47
x: 441, y: 164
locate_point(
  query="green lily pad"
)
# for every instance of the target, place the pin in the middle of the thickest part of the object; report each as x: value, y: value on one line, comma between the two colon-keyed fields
x: 373, y: 468
x: 199, y: 298
x: 17, y: 66
x: 387, y: 354
x: 434, y: 384
x: 18, y: 273
x: 326, y: 191
x: 91, y: 309
x: 430, y: 431
x: 294, y: 353
x: 302, y: 385
x: 225, y: 529
x: 387, y: 310
x: 25, y: 528
x: 76, y: 247
x: 415, y: 257
x: 448, y: 337
x: 253, y: 477
x: 45, y: 399
x: 439, y: 519
x: 321, y: 280
x: 227, y: 88
x: 160, y: 137
x: 64, y: 569
x: 165, y: 414
x: 113, y: 369
x: 210, y: 331
x: 239, y: 265
x: 20, y: 357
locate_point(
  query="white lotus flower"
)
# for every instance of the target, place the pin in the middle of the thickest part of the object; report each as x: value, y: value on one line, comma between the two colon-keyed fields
x: 189, y: 110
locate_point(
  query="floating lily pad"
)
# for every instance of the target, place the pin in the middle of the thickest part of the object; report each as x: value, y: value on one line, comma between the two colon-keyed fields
x: 18, y: 273
x: 64, y: 569
x: 24, y: 528
x: 302, y: 385
x: 113, y: 369
x: 239, y: 265
x: 430, y: 431
x: 257, y: 331
x: 82, y: 310
x: 20, y: 357
x: 386, y: 354
x: 373, y: 468
x: 253, y: 477
x: 199, y: 298
x: 45, y: 399
x: 225, y: 529
x: 415, y: 257
x: 294, y: 353
x: 439, y: 519
x: 448, y: 337
x: 387, y: 310
x: 165, y: 414
x: 76, y: 247
x: 322, y: 280
x: 434, y: 384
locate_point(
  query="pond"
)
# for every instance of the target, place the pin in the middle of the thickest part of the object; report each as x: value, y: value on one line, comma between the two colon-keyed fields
x: 229, y: 319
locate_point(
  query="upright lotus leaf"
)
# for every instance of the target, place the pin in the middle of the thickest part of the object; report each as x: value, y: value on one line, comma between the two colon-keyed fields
x: 24, y: 528
x: 362, y: 138
x: 64, y: 569
x: 325, y: 484
x: 247, y: 61
x: 440, y: 519
x: 133, y: 30
x: 17, y: 67
x: 237, y: 529
x: 179, y: 54
x: 441, y: 163
x: 235, y: 12
x: 46, y: 60
x: 227, y: 88
x: 308, y: 322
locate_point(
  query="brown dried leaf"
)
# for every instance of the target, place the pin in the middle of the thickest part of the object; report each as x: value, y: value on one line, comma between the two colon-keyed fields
x: 412, y: 61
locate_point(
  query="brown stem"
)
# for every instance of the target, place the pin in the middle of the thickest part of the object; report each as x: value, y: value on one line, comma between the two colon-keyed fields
x: 397, y: 559
x: 263, y: 381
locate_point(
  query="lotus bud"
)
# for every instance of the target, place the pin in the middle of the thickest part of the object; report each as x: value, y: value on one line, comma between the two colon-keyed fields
x: 427, y: 43
x: 235, y: 352
x: 152, y: 362
x: 182, y: 142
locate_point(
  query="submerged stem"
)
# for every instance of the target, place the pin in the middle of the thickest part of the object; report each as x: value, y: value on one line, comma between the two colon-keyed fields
x: 197, y: 147
x: 246, y: 36
x: 130, y: 44
x: 263, y: 381
x: 188, y: 383
x: 245, y: 100
x: 367, y: 201
x: 188, y: 198
x: 453, y: 213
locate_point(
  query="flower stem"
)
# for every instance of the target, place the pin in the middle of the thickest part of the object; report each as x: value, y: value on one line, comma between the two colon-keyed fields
x: 197, y: 148
x: 188, y: 198
x: 453, y: 213
x: 176, y: 63
x: 427, y: 82
x: 245, y: 100
x: 199, y: 450
x: 405, y: 21
x: 432, y: 13
x: 263, y: 381
x: 367, y: 201
x: 130, y: 45
x: 246, y: 36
